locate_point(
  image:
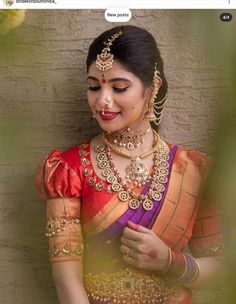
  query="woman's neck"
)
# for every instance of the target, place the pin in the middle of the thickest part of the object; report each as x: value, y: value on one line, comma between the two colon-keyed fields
x: 135, y: 139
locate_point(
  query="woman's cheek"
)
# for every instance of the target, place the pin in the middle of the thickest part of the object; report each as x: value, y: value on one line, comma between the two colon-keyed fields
x: 91, y: 101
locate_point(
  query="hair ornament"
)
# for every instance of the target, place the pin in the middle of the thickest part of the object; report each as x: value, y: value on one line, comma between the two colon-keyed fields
x: 154, y: 109
x: 105, y: 58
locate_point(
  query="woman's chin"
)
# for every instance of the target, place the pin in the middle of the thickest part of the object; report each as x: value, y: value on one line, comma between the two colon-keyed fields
x: 110, y: 128
x: 118, y: 125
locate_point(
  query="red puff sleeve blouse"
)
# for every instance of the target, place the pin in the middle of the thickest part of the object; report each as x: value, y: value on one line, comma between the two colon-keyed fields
x: 60, y: 185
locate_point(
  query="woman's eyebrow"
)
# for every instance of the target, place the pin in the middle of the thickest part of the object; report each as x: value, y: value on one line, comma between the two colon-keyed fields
x: 92, y: 78
x: 111, y: 80
x: 119, y: 79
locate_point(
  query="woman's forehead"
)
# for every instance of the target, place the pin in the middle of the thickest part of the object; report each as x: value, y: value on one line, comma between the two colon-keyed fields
x: 117, y: 71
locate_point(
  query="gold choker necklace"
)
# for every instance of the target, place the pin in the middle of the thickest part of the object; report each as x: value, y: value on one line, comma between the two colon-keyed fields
x: 128, y: 138
x: 128, y: 155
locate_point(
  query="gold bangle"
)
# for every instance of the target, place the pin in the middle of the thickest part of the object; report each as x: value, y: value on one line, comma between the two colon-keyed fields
x: 169, y: 262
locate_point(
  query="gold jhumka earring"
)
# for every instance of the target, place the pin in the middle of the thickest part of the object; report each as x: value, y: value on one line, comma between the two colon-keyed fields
x: 105, y: 59
x: 154, y: 109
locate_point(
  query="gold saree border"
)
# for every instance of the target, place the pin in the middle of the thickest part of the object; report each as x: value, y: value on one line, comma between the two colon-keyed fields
x: 107, y: 215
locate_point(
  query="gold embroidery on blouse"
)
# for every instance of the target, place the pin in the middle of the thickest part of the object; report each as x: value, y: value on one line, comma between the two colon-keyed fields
x: 99, y: 186
x: 85, y: 161
x: 66, y: 250
x: 88, y: 172
x: 92, y: 180
x: 84, y: 145
x: 57, y: 225
x: 83, y: 153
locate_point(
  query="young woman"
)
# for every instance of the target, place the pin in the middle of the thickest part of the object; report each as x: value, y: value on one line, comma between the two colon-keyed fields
x: 122, y: 207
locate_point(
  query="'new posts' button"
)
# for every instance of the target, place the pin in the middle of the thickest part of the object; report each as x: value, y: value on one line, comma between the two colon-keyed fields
x: 118, y: 15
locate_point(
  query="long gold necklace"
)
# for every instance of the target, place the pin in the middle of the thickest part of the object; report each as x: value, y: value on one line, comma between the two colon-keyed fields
x: 158, y: 178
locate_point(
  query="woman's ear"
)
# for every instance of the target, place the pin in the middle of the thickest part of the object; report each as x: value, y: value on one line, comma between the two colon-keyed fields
x: 159, y: 81
x: 147, y: 94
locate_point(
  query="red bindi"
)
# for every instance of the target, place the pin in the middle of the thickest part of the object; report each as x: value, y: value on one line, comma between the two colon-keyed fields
x: 153, y: 254
x: 103, y: 79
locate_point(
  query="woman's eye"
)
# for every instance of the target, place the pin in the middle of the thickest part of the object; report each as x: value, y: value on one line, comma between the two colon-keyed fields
x: 119, y: 90
x: 93, y: 88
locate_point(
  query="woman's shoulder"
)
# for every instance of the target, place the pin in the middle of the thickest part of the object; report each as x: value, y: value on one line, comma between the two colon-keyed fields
x: 189, y: 154
x: 73, y: 154
x: 59, y: 173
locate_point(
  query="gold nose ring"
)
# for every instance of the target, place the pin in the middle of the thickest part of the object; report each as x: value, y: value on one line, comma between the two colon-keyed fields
x: 109, y: 102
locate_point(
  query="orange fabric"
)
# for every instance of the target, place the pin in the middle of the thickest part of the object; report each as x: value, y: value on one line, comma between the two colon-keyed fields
x: 207, y: 238
x: 63, y: 207
x: 71, y: 237
x: 175, y: 220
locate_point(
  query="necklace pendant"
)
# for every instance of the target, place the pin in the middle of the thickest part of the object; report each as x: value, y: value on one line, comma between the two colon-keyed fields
x: 130, y: 146
x: 123, y: 196
x: 147, y: 204
x: 101, y: 156
x: 116, y: 187
x: 134, y: 203
x: 106, y: 172
x: 103, y: 164
x: 158, y: 187
x: 99, y: 148
x: 162, y: 179
x: 136, y: 171
x: 111, y: 179
x: 157, y: 196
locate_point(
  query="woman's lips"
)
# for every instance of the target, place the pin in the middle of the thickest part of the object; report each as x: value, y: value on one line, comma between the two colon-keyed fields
x: 108, y: 115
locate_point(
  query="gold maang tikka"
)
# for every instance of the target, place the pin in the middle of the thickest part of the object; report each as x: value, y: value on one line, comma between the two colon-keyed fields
x: 105, y: 59
x: 154, y: 109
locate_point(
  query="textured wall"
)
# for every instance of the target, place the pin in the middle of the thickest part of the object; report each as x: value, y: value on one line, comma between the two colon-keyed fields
x: 43, y: 106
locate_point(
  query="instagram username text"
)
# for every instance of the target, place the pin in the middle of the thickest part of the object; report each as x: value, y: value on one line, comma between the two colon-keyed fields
x: 36, y: 1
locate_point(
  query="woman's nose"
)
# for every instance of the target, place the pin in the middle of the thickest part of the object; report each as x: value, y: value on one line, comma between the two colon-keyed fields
x: 103, y: 100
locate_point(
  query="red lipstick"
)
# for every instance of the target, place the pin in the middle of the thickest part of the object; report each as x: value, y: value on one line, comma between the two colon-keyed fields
x: 108, y: 115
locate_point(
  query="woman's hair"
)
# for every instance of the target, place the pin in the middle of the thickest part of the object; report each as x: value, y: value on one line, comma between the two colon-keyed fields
x: 136, y: 50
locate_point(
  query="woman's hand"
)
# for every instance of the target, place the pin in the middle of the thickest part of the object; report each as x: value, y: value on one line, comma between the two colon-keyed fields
x: 143, y: 249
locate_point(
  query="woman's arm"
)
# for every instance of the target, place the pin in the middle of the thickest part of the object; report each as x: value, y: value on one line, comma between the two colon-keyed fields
x: 68, y: 278
x: 211, y: 273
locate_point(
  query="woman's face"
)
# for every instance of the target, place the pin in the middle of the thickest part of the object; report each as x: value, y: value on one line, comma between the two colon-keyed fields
x: 127, y: 93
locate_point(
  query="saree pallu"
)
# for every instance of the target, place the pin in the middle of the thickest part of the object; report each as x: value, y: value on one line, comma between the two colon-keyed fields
x: 181, y: 218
